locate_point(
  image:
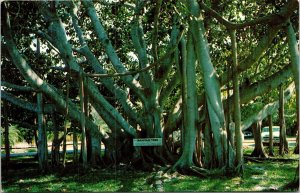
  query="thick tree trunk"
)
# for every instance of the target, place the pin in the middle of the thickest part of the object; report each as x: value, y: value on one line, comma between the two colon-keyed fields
x: 294, y: 52
x: 212, y: 87
x: 258, y: 149
x: 186, y: 159
x: 271, y: 152
x: 42, y: 135
x: 283, y: 144
x: 237, y: 110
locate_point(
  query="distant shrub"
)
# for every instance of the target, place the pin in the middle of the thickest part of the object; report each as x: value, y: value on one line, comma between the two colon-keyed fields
x: 15, y: 135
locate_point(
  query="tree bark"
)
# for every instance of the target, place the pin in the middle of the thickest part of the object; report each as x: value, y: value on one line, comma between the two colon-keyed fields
x: 296, y: 150
x: 294, y: 52
x: 258, y: 149
x: 82, y: 125
x: 283, y: 145
x: 6, y: 134
x: 55, y: 143
x: 186, y: 159
x: 42, y: 135
x: 66, y: 123
x: 237, y: 110
x: 212, y: 87
x: 75, y: 147
x: 271, y: 152
x: 209, y: 153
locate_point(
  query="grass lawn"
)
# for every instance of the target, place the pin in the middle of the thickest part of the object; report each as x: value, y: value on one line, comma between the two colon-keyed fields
x: 24, y: 177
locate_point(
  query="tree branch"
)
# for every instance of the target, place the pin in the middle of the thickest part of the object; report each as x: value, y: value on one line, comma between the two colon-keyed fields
x: 267, y: 109
x: 273, y: 19
x: 137, y: 36
x: 24, y: 104
x: 110, y: 51
x: 17, y: 87
x: 160, y: 61
x: 34, y: 80
x: 254, y: 57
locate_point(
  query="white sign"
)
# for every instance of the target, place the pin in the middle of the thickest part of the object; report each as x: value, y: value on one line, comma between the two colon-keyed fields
x: 147, y: 142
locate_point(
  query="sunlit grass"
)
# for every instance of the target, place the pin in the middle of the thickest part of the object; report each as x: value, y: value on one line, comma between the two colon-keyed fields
x: 257, y: 177
x: 265, y: 176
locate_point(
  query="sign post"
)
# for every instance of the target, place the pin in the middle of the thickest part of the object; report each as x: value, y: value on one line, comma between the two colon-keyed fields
x: 147, y: 142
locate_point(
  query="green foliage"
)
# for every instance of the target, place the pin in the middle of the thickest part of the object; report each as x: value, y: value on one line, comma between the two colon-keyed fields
x: 27, y: 134
x: 15, y: 135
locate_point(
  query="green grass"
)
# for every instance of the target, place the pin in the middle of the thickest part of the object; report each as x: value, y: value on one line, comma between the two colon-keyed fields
x: 257, y: 177
x: 24, y: 177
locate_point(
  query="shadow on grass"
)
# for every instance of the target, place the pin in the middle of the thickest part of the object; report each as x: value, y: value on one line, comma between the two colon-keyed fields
x: 23, y: 176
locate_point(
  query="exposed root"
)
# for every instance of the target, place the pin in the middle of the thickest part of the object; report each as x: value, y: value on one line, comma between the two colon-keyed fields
x: 190, y: 170
x: 259, y: 153
x: 239, y: 170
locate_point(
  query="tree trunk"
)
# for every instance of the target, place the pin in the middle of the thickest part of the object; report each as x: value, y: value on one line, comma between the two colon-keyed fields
x: 258, y: 149
x: 237, y: 110
x: 271, y: 152
x: 283, y: 145
x: 82, y: 117
x: 208, y: 149
x: 90, y: 157
x: 212, y: 87
x: 199, y: 146
x: 42, y: 135
x: 186, y: 159
x: 75, y: 147
x: 66, y: 124
x: 6, y: 134
x: 294, y: 52
x: 56, y: 142
x: 296, y: 150
x: 183, y: 69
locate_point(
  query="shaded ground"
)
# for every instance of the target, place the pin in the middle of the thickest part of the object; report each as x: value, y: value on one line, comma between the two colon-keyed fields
x: 23, y: 176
